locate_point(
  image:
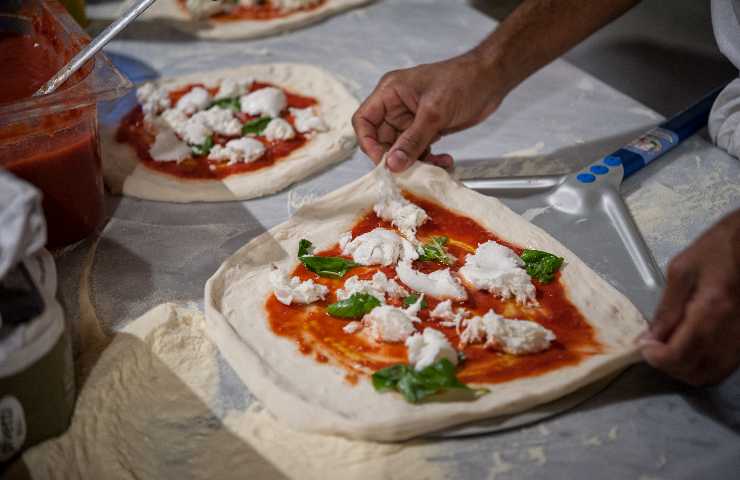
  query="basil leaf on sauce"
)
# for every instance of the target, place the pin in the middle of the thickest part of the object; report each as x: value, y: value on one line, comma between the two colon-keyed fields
x: 541, y: 265
x: 355, y: 306
x: 231, y: 103
x: 413, y: 298
x: 256, y: 126
x: 416, y: 386
x: 204, y: 148
x: 434, y: 251
x: 332, y: 267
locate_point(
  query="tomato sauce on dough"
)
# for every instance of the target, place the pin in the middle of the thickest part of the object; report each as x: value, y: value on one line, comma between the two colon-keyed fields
x: 133, y: 132
x: 317, y: 333
x: 265, y: 11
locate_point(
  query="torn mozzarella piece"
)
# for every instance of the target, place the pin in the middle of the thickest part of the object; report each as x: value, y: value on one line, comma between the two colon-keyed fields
x: 378, y: 247
x: 168, y: 148
x: 230, y: 88
x: 193, y: 130
x: 389, y: 324
x: 195, y: 100
x: 265, y: 102
x: 426, y: 348
x: 438, y: 284
x: 220, y: 120
x: 205, y: 8
x: 153, y: 100
x: 394, y: 208
x: 446, y: 317
x: 292, y: 290
x: 306, y: 120
x: 498, y: 269
x: 517, y: 337
x: 379, y: 286
x: 240, y: 150
x: 289, y: 5
x: 352, y: 327
x: 279, y: 129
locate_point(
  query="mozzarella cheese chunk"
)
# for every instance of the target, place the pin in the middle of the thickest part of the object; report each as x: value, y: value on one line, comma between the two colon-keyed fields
x: 168, y: 148
x: 438, y: 284
x: 230, y: 88
x: 378, y: 247
x: 265, y: 102
x: 498, y: 269
x: 206, y: 8
x: 426, y: 348
x: 379, y: 286
x: 279, y: 129
x: 352, y: 327
x: 390, y: 324
x: 292, y: 290
x: 219, y: 120
x: 394, y: 208
x: 288, y: 5
x: 193, y: 130
x: 240, y: 150
x: 446, y: 317
x: 195, y: 100
x: 153, y: 100
x: 306, y: 120
x: 517, y: 337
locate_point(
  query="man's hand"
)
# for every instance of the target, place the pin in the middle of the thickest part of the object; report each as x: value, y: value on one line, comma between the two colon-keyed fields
x: 695, y: 335
x: 411, y: 109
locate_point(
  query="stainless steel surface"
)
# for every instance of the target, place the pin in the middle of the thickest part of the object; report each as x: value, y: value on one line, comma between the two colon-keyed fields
x: 642, y: 425
x: 100, y: 41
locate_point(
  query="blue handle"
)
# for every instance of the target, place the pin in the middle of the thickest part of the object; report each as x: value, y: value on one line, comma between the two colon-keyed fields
x: 663, y: 138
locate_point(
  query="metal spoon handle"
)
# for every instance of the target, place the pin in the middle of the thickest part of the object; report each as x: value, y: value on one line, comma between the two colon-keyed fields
x: 94, y: 47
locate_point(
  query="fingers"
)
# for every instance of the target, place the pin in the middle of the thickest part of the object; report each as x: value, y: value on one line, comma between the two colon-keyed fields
x: 443, y: 160
x: 366, y: 121
x: 680, y: 285
x: 412, y: 142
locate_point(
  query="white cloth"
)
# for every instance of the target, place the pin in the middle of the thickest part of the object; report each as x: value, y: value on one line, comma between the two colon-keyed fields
x: 724, y: 120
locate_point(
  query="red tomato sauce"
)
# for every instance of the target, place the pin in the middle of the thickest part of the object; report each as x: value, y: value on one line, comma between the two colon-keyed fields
x: 316, y: 332
x: 133, y: 132
x: 257, y: 12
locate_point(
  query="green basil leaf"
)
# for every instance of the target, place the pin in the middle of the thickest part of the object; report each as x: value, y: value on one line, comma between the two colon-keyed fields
x: 541, y: 265
x: 204, y: 148
x: 412, y: 299
x: 231, y: 103
x: 332, y: 267
x: 416, y: 386
x: 256, y: 126
x: 355, y: 306
x: 434, y: 251
x: 304, y: 248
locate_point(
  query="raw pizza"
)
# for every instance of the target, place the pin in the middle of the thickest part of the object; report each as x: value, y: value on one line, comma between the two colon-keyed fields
x: 388, y: 310
x: 229, y: 135
x: 230, y: 19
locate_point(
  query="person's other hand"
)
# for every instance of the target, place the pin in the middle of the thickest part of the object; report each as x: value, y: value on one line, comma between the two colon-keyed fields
x: 695, y: 335
x: 411, y: 109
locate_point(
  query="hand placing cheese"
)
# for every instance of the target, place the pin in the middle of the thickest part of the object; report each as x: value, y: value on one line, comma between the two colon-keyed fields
x: 498, y: 269
x: 292, y: 290
x: 517, y: 337
x: 428, y: 347
x: 378, y: 247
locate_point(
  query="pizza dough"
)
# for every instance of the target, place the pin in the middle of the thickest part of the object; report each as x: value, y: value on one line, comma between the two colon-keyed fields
x: 173, y: 14
x: 316, y: 397
x: 124, y: 173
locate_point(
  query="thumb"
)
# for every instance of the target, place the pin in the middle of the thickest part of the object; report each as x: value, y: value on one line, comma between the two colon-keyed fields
x: 678, y: 292
x: 412, y: 143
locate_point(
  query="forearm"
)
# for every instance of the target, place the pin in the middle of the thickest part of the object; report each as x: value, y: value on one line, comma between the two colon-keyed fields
x: 538, y: 32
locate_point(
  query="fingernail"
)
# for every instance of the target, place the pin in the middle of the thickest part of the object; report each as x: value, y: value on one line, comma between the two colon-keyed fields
x: 397, y: 160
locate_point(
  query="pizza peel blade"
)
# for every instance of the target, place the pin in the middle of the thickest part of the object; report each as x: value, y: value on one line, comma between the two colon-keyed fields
x: 585, y: 211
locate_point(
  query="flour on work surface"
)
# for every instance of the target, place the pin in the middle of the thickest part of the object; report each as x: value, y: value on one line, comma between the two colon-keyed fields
x: 147, y: 411
x: 535, y: 149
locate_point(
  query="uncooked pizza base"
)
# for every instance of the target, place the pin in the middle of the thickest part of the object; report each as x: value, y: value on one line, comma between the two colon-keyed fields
x: 125, y: 174
x: 316, y: 397
x: 170, y: 12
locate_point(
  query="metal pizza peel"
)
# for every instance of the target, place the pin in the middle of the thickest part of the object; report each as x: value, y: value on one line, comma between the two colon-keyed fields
x: 585, y: 211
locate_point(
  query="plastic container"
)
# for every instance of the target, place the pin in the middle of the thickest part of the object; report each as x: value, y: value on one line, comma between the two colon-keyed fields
x: 53, y: 141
